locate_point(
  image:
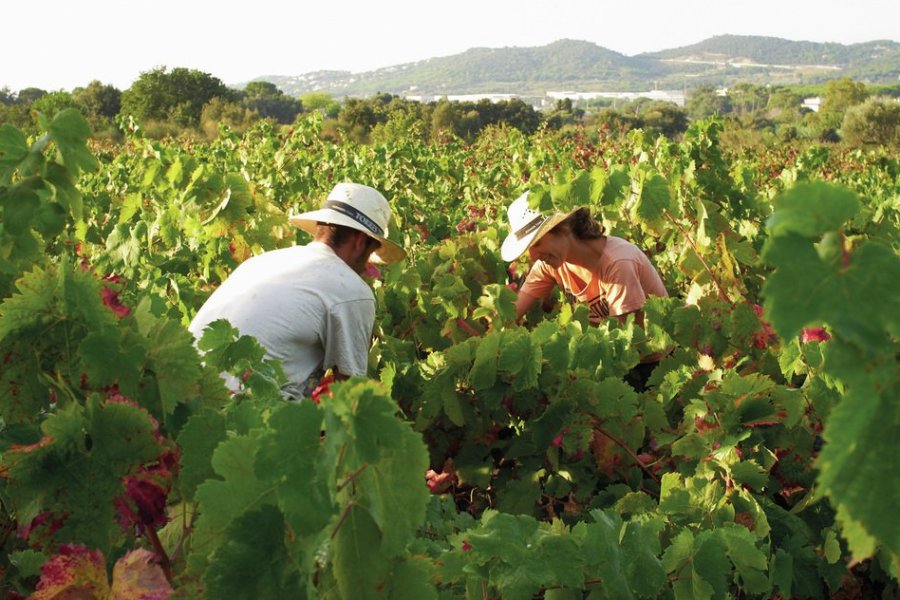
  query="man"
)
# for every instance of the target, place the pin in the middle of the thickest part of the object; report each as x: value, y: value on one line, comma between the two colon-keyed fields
x: 609, y: 274
x: 307, y: 305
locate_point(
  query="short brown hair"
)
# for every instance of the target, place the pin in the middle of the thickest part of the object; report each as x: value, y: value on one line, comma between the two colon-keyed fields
x: 337, y: 235
x: 334, y: 235
x: 582, y: 225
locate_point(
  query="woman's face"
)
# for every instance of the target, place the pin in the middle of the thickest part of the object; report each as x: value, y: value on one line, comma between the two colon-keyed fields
x: 552, y: 248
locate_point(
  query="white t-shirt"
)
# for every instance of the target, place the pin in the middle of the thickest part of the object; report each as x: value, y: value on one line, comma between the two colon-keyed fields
x: 306, y: 307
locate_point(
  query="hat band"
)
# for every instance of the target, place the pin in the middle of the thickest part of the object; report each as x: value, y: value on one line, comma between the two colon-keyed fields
x: 530, y: 226
x: 355, y: 214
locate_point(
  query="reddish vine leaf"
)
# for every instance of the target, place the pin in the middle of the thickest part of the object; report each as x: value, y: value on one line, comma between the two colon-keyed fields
x: 76, y: 572
x: 79, y: 572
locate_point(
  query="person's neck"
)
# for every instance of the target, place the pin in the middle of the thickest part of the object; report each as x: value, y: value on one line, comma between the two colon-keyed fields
x: 586, y: 253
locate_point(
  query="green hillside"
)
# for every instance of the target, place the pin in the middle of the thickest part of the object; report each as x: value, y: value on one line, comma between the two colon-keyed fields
x: 584, y: 66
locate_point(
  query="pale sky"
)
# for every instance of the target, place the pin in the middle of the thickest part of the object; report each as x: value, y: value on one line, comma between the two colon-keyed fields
x: 63, y: 44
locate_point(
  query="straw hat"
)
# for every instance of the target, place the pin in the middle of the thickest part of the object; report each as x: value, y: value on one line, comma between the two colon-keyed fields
x: 358, y: 207
x: 526, y: 227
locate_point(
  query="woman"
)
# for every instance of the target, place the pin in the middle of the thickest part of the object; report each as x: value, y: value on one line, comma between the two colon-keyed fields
x: 609, y: 274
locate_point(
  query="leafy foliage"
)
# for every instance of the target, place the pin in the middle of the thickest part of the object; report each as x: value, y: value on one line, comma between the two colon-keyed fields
x: 753, y: 464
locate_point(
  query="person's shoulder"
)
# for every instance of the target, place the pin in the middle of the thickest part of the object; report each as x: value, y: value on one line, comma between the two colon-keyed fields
x: 619, y: 248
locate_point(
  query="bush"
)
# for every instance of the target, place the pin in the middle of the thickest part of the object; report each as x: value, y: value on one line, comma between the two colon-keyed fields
x: 876, y: 122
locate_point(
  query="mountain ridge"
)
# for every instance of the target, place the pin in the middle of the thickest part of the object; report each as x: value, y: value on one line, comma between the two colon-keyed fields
x: 585, y: 66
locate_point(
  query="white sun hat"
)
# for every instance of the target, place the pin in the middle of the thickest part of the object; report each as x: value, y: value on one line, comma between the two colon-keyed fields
x: 358, y: 207
x: 526, y: 227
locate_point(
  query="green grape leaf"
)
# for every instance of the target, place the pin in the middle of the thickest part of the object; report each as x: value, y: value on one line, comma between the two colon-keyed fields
x: 640, y: 554
x: 360, y: 568
x: 27, y: 562
x: 107, y: 359
x: 518, y: 497
x: 749, y: 560
x: 602, y: 554
x: 679, y: 551
x: 520, y: 359
x: 709, y: 572
x: 614, y: 187
x: 654, y: 203
x: 50, y: 219
x: 70, y: 131
x: 572, y: 193
x: 174, y: 362
x: 811, y: 209
x: 20, y: 204
x: 498, y: 304
x: 484, y: 370
x: 13, y: 150
x: 861, y: 433
x: 67, y: 195
x: 251, y: 560
x: 800, y: 290
x: 288, y: 458
x: 386, y: 459
x: 674, y: 497
x: 749, y: 473
x: 411, y: 579
x: 198, y: 439
x: 781, y: 571
x: 221, y: 501
x: 76, y: 469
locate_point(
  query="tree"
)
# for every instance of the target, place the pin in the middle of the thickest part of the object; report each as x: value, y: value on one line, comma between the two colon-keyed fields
x: 53, y: 102
x: 17, y: 115
x: 840, y: 95
x: 358, y: 117
x: 444, y: 121
x: 564, y: 114
x: 520, y: 115
x: 29, y: 95
x: 269, y: 102
x: 178, y: 96
x: 706, y: 102
x: 321, y: 101
x: 663, y: 118
x: 402, y: 127
x: 876, y: 122
x: 99, y: 100
x: 747, y: 98
x: 223, y: 112
x: 262, y: 89
x: 609, y: 122
x: 785, y: 105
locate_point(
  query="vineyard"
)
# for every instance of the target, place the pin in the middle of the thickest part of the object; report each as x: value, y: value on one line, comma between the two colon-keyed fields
x: 481, y: 458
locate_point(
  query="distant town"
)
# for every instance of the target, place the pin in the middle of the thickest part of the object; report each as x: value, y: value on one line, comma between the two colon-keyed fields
x: 677, y: 97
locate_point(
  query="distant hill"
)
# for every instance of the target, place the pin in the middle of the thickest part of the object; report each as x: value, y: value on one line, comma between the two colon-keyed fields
x: 584, y: 66
x: 777, y: 51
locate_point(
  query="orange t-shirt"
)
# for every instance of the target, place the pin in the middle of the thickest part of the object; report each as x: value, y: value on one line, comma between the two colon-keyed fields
x: 620, y: 283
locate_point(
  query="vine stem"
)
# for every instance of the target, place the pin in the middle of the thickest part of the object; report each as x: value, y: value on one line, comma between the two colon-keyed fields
x: 352, y: 477
x: 465, y: 326
x: 161, y: 556
x: 343, y: 518
x: 706, y: 266
x: 630, y: 452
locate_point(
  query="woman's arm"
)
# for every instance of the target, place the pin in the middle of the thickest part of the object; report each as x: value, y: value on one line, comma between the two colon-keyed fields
x: 524, y: 303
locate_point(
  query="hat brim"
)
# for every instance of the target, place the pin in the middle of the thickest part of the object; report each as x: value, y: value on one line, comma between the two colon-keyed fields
x: 513, y: 247
x: 388, y: 252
